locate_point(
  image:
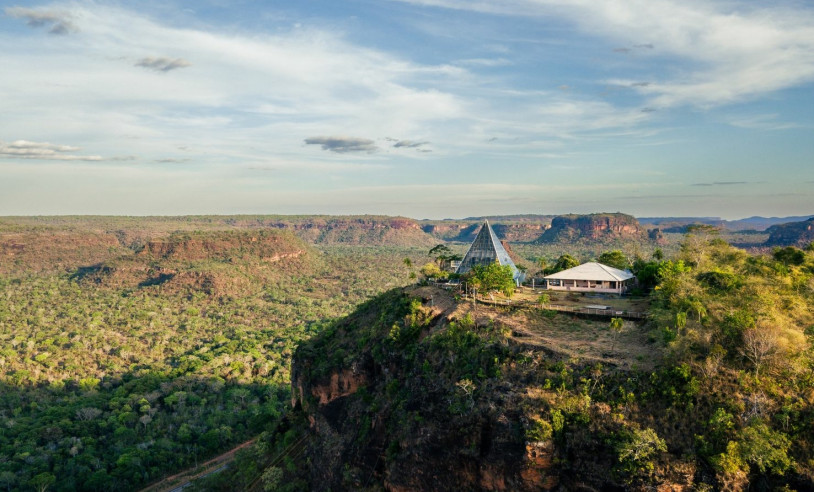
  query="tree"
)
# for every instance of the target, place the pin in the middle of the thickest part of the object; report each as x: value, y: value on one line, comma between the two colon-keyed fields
x: 696, y: 243
x: 616, y: 327
x: 564, y: 262
x: 544, y: 299
x: 272, y: 478
x: 637, y: 452
x: 760, y: 346
x: 542, y: 263
x: 42, y: 481
x: 431, y: 270
x: 441, y: 253
x: 789, y: 256
x: 765, y: 448
x: 615, y: 259
x: 681, y: 321
x: 696, y: 306
x: 494, y: 277
x: 658, y: 254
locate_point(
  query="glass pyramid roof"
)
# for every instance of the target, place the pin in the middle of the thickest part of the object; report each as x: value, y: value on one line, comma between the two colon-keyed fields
x: 486, y: 249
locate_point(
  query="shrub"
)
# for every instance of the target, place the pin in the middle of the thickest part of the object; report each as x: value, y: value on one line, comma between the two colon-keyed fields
x: 765, y: 448
x: 637, y: 450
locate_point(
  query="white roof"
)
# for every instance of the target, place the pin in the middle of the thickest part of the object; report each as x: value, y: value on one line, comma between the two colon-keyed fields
x: 592, y: 271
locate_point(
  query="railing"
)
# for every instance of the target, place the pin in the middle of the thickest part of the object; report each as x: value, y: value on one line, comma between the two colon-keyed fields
x: 611, y: 313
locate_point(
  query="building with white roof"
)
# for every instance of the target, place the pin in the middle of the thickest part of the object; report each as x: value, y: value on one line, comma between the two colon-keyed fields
x: 592, y: 277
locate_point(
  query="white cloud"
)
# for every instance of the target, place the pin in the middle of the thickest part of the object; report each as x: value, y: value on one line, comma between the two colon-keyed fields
x: 735, y: 51
x: 57, y: 22
x: 270, y: 91
x: 761, y: 122
x: 23, y: 149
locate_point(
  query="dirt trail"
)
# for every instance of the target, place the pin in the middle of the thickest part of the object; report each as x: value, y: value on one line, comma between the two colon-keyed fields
x: 181, y: 479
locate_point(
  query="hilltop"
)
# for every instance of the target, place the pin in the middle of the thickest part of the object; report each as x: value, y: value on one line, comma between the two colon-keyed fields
x: 421, y: 390
x: 793, y: 233
x: 427, y: 393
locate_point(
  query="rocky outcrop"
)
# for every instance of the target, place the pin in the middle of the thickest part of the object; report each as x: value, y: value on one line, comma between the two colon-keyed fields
x: 791, y: 234
x: 656, y: 235
x: 593, y: 227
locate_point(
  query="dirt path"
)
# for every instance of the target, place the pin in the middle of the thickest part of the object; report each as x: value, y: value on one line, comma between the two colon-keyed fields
x: 182, y: 479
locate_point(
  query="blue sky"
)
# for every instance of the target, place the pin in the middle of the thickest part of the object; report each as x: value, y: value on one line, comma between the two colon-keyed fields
x: 423, y: 108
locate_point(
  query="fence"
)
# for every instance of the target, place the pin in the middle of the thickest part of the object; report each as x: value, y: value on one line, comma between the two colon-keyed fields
x: 610, y: 313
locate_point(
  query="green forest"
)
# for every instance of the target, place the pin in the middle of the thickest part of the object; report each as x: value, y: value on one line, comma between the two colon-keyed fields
x: 110, y: 381
x: 125, y: 364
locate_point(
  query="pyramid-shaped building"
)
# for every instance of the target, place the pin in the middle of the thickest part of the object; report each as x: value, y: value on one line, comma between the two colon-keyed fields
x: 486, y: 249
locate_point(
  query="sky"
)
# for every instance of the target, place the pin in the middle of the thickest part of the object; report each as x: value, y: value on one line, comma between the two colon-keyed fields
x: 421, y: 108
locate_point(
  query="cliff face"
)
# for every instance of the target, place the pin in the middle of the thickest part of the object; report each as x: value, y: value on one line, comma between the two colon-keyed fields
x: 791, y: 234
x: 593, y: 227
x: 361, y: 230
x: 411, y: 422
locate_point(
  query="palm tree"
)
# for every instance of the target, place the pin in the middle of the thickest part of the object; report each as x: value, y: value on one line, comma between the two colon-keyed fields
x: 616, y: 326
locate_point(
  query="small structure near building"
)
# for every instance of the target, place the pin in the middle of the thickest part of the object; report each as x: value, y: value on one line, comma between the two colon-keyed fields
x: 592, y: 277
x: 486, y: 249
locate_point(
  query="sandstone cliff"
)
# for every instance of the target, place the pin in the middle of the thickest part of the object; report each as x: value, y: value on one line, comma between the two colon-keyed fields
x: 593, y: 227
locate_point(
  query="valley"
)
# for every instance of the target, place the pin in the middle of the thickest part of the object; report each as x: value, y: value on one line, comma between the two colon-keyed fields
x: 134, y: 348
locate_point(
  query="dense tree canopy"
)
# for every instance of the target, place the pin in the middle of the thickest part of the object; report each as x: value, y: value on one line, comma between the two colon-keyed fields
x: 493, y: 277
x: 615, y: 259
x: 564, y: 262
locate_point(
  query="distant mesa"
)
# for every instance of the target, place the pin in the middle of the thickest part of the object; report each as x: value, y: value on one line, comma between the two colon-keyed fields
x: 367, y: 230
x: 791, y: 234
x: 205, y: 262
x: 271, y: 246
x: 513, y: 228
x: 593, y: 227
x: 540, y: 228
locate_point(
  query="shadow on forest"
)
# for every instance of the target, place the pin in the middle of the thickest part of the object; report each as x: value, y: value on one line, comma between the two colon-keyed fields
x: 126, y: 430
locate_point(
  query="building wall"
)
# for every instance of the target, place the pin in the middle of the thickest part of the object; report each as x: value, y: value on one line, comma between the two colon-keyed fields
x: 570, y: 288
x: 590, y: 286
